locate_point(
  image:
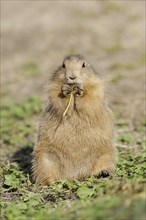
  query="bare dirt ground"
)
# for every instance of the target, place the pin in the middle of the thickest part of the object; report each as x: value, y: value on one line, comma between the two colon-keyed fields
x: 110, y: 34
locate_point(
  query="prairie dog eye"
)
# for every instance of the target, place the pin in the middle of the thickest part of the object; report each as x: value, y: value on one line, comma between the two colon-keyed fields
x: 84, y: 65
x: 63, y: 65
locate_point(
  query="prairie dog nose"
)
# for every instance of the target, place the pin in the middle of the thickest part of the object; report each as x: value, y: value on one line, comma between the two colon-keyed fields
x: 72, y: 77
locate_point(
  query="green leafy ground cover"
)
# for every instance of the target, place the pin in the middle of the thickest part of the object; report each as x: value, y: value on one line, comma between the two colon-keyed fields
x: 118, y: 197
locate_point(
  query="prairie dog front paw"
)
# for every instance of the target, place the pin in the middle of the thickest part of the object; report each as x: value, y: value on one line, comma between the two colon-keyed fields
x: 66, y: 90
x: 79, y: 91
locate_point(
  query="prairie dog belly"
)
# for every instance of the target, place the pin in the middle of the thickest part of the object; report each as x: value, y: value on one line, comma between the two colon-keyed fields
x: 76, y: 132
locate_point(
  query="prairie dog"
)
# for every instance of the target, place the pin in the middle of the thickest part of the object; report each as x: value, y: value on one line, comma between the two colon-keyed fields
x: 81, y: 143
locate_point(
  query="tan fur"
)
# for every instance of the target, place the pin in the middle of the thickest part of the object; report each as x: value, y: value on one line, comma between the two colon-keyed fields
x: 81, y: 143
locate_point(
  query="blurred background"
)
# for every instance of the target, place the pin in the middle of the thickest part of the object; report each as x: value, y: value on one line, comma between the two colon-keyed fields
x: 110, y: 34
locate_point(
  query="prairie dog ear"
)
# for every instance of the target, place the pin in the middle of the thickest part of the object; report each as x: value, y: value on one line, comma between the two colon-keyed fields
x: 85, y: 64
x: 63, y: 65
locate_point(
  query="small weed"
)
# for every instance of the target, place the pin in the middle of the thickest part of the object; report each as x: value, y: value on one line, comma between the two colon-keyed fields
x: 84, y: 192
x: 13, y: 178
x: 129, y: 66
x: 117, y: 78
x: 31, y: 69
x: 122, y: 123
x: 126, y: 139
x: 116, y: 47
x: 113, y: 6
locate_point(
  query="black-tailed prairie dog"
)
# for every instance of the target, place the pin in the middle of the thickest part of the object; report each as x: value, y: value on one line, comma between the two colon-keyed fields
x: 75, y: 138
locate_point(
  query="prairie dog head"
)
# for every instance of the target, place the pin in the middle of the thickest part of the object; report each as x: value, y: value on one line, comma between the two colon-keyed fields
x: 75, y: 70
x: 75, y: 74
